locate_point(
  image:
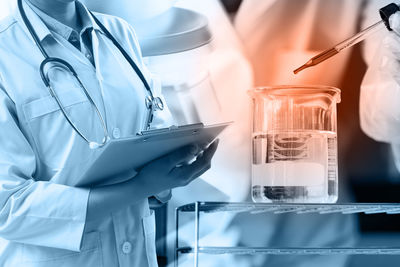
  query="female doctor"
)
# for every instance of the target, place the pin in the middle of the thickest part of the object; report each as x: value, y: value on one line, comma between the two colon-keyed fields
x: 69, y: 81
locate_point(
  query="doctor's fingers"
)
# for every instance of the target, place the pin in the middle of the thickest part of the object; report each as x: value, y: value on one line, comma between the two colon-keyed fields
x: 392, y: 68
x: 391, y: 45
x: 203, y: 163
x: 388, y: 65
x: 169, y: 161
x: 199, y: 173
x: 190, y: 177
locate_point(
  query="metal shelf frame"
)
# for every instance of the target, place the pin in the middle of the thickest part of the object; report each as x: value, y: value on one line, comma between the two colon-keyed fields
x: 278, y: 208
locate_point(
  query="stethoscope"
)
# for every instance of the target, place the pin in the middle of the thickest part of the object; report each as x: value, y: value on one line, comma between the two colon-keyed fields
x: 152, y: 103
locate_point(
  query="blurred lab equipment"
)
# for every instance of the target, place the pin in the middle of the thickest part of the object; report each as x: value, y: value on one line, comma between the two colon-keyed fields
x: 175, y: 44
x: 179, y: 57
x: 295, y: 144
x: 275, y: 50
x: 385, y: 14
x: 131, y: 10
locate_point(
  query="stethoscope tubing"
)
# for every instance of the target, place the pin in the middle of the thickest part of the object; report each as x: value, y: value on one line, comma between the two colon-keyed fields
x: 152, y: 103
x: 69, y: 68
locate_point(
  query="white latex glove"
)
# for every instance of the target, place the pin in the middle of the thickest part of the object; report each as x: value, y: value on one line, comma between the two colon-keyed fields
x: 380, y: 90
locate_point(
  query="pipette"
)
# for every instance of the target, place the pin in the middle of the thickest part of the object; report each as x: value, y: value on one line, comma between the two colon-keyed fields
x: 384, y: 12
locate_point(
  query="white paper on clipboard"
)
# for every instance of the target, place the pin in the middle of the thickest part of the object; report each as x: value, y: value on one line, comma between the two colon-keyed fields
x: 121, y: 157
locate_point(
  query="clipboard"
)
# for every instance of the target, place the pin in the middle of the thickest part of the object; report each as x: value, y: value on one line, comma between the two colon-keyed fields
x: 119, y: 159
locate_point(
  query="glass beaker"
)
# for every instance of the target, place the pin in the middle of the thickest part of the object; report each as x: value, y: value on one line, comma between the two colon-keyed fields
x: 294, y: 144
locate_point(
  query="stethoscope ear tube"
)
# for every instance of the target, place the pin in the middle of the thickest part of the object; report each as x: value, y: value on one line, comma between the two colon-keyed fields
x: 30, y: 29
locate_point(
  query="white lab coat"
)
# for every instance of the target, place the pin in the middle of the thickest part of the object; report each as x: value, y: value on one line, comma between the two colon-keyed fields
x: 42, y: 200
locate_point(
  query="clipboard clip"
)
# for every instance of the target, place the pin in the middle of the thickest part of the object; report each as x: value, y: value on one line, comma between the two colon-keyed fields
x: 170, y: 129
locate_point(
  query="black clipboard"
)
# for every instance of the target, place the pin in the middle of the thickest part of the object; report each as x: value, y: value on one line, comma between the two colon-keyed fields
x: 119, y: 159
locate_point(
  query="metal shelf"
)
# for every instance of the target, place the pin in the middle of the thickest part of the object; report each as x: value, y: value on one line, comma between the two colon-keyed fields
x: 348, y: 208
x: 291, y: 251
x: 278, y: 208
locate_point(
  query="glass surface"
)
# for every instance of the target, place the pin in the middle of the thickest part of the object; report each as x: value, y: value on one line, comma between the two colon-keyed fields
x: 294, y: 144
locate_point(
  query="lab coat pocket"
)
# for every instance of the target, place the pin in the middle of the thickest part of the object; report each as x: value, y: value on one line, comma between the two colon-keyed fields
x: 90, y: 254
x: 149, y: 227
x: 53, y: 136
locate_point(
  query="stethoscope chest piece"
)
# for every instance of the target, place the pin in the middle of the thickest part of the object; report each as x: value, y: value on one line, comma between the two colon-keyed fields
x: 154, y: 103
x: 158, y: 103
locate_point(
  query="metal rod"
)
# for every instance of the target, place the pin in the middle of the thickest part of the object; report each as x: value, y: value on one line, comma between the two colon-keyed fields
x: 298, y: 250
x: 176, y: 255
x: 196, y: 233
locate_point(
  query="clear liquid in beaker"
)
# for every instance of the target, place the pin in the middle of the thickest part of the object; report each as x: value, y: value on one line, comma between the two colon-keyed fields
x: 295, y: 167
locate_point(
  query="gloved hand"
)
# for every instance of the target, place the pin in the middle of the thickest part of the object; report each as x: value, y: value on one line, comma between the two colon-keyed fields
x: 380, y: 90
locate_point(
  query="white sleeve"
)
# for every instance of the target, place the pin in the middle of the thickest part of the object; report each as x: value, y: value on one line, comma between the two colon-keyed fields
x: 34, y: 212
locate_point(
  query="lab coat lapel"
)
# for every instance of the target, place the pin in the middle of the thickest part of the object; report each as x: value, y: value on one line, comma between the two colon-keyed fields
x: 121, y: 85
x: 76, y: 53
x: 100, y: 78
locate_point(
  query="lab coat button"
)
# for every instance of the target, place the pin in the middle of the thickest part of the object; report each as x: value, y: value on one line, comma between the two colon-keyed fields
x: 116, y: 133
x: 126, y: 247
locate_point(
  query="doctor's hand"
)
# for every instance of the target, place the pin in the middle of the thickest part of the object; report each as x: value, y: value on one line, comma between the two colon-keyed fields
x: 173, y: 170
x: 169, y: 171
